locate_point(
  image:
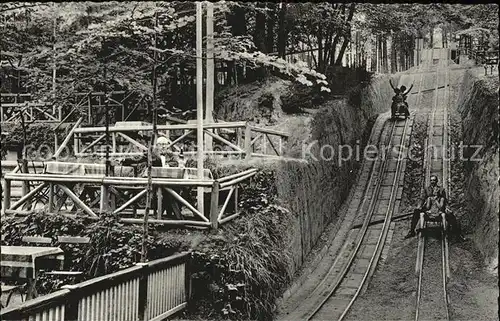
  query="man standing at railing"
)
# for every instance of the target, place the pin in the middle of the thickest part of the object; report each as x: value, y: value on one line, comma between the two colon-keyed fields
x: 162, y: 156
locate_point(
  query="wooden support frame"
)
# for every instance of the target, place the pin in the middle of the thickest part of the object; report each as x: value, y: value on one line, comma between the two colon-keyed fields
x: 66, y: 140
x: 186, y: 203
x: 228, y: 143
x: 130, y: 201
x: 28, y: 196
x: 92, y: 144
x: 77, y: 201
x: 213, y: 217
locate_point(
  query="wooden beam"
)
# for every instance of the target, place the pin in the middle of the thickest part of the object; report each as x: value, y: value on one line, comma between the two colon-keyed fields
x: 179, y: 138
x: 269, y: 131
x: 27, y: 196
x: 183, y: 201
x: 237, y: 180
x: 223, y: 140
x: 166, y: 222
x: 226, y: 202
x: 232, y: 176
x: 66, y: 140
x: 214, y: 205
x: 255, y: 139
x: 93, y: 143
x: 272, y: 145
x: 160, y: 127
x: 228, y: 218
x: 133, y: 141
x: 77, y: 200
x: 130, y: 201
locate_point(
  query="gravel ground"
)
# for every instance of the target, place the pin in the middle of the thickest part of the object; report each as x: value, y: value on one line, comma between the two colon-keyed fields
x: 472, y: 291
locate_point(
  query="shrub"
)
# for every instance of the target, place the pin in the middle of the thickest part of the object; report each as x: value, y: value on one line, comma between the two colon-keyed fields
x: 243, y: 269
x: 113, y: 245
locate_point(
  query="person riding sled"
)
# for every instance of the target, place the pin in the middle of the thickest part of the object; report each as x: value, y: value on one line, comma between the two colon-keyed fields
x: 400, y: 95
x: 434, y: 202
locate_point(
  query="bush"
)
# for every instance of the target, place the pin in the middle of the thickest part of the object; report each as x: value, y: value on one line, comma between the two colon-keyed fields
x: 36, y: 135
x: 113, y: 245
x: 241, y: 271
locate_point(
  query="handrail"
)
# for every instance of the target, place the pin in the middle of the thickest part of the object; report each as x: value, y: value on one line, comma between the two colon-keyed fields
x: 102, y: 179
x: 269, y: 131
x: 237, y: 175
x: 160, y: 127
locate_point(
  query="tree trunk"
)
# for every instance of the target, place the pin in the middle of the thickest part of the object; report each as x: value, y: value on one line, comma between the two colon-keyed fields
x: 338, y: 62
x: 271, y: 22
x: 320, y: 49
x: 237, y: 20
x: 347, y: 34
x: 259, y: 35
x: 394, y: 67
x: 282, y: 32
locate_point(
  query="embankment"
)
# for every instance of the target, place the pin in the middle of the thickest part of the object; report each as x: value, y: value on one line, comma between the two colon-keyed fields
x: 314, y: 191
x: 478, y: 106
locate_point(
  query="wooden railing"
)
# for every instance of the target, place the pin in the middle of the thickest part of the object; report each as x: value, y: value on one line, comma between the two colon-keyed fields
x: 87, y: 103
x: 13, y: 104
x: 88, y: 192
x: 147, y: 291
x: 230, y: 139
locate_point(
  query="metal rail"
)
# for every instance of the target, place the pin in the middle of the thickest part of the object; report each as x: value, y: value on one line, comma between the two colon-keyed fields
x: 367, y: 221
x: 445, y: 178
x: 364, y: 229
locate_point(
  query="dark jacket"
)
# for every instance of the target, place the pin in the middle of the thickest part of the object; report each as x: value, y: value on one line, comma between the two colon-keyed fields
x: 431, y: 191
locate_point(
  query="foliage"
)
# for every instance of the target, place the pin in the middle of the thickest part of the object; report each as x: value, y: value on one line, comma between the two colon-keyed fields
x: 243, y: 269
x: 113, y: 245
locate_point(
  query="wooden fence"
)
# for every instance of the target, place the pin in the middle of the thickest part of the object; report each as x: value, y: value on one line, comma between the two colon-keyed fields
x: 147, y: 291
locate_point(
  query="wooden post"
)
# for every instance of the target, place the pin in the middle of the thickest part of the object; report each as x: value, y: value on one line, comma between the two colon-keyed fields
x: 235, y: 195
x: 159, y: 198
x: 239, y: 138
x: 25, y: 185
x: 143, y: 293
x: 56, y: 141
x: 76, y: 143
x: 113, y: 137
x: 51, y: 197
x: 199, y: 101
x: 104, y: 198
x: 248, y: 141
x: 89, y: 110
x: 7, y: 194
x: 214, y: 205
x: 210, y: 73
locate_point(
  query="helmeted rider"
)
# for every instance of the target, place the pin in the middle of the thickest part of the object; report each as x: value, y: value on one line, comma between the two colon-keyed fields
x: 434, y: 201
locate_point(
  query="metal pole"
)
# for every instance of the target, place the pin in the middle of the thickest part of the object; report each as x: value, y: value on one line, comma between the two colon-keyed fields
x: 54, y: 71
x: 199, y: 101
x: 210, y: 72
